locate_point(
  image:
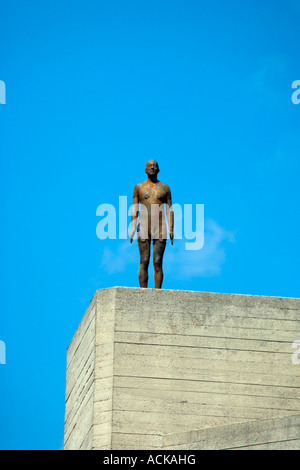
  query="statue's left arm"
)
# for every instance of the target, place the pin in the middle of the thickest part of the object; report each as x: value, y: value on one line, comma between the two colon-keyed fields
x: 170, y: 215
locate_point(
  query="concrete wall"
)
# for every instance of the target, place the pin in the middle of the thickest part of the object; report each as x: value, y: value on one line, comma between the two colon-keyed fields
x: 265, y: 434
x: 172, y: 361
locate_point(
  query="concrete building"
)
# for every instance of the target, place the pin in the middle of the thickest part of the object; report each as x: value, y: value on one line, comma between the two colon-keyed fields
x: 165, y: 369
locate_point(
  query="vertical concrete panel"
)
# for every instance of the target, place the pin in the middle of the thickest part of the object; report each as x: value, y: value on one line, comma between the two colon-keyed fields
x: 79, y: 413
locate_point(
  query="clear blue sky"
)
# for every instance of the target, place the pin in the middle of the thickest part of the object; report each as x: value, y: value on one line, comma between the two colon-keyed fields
x: 93, y: 90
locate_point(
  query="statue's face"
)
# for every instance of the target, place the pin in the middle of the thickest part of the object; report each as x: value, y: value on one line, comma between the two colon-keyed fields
x: 152, y: 167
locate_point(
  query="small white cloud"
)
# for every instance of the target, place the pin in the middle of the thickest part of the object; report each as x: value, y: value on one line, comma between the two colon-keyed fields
x: 208, y: 261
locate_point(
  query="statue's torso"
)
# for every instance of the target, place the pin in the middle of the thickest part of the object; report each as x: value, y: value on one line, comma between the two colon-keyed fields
x: 152, y: 223
x: 155, y: 193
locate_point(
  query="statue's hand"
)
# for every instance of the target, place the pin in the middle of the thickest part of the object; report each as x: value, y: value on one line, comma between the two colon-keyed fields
x: 132, y: 235
x: 171, y: 237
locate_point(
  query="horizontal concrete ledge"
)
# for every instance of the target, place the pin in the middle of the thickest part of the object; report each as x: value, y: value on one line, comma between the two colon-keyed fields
x: 141, y: 289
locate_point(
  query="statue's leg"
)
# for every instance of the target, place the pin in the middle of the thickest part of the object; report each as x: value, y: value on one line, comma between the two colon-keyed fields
x: 158, y: 253
x: 144, y: 248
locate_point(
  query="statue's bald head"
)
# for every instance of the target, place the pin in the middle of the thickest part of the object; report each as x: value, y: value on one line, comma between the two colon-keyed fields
x: 152, y: 167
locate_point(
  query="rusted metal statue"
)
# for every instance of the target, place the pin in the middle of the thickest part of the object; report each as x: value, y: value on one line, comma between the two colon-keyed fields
x: 150, y: 198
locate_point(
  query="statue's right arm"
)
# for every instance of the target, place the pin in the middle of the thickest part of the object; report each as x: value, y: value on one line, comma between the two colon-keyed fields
x: 135, y: 211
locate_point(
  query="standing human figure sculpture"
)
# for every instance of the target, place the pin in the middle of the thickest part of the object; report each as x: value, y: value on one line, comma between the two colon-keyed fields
x: 149, y: 201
